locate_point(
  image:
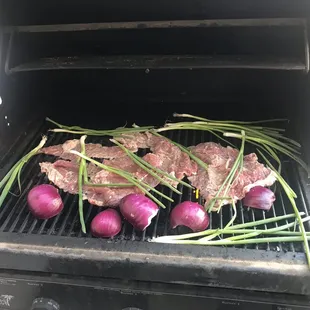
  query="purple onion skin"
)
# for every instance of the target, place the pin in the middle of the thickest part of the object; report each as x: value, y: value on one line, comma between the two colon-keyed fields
x: 44, y: 201
x: 138, y: 210
x: 106, y: 224
x: 191, y: 215
x: 259, y: 197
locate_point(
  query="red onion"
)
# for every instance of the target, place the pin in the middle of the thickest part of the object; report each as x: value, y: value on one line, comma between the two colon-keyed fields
x: 107, y: 223
x: 138, y: 210
x: 259, y: 197
x: 44, y: 201
x: 191, y: 215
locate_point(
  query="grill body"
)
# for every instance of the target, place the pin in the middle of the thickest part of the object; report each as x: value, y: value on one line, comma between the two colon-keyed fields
x: 129, y: 67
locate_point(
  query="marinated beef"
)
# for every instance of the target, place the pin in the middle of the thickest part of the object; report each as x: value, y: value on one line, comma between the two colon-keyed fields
x: 165, y: 156
x: 220, y: 161
x: 64, y: 174
x: 93, y: 150
x: 174, y: 161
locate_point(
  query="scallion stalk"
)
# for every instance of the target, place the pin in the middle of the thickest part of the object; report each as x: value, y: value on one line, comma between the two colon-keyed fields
x: 231, y: 228
x: 80, y: 184
x: 291, y: 196
x: 149, y: 168
x: 265, y: 136
x: 235, y: 242
x: 231, y: 176
x: 267, y: 231
x: 183, y: 149
x: 15, y: 171
x: 92, y: 132
x: 231, y: 121
x: 133, y: 180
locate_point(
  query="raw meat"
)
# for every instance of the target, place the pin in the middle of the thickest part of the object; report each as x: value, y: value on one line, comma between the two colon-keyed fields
x: 165, y: 156
x: 174, y: 161
x: 108, y: 196
x: 220, y: 161
x: 93, y: 150
x: 64, y: 174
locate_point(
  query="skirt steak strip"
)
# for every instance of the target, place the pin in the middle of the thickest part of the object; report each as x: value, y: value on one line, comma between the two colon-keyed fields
x: 93, y: 150
x: 220, y: 161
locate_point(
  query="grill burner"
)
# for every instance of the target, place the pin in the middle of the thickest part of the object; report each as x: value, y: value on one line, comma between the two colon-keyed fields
x: 15, y: 217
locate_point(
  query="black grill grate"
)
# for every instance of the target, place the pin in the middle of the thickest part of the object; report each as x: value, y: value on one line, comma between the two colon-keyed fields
x: 15, y: 217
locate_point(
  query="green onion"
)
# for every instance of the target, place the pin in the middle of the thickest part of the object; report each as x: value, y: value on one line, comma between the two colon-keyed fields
x: 231, y: 121
x: 147, y: 167
x: 267, y: 137
x: 237, y: 166
x: 82, y: 168
x: 267, y: 231
x: 291, y: 196
x: 231, y: 228
x: 15, y: 171
x: 133, y: 180
x: 233, y: 217
x: 183, y: 149
x: 86, y: 182
x: 236, y: 242
x: 93, y: 132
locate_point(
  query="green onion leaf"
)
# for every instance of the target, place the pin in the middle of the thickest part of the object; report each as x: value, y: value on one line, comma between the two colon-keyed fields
x: 15, y: 171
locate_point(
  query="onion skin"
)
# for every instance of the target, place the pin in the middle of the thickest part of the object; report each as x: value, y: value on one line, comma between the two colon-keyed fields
x: 259, y: 197
x: 138, y: 210
x: 105, y: 224
x: 191, y: 215
x: 44, y: 201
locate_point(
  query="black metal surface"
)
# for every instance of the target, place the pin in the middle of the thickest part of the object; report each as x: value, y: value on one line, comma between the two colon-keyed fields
x: 36, y: 12
x: 85, y: 293
x: 148, y: 62
x: 281, y: 45
x: 161, y: 24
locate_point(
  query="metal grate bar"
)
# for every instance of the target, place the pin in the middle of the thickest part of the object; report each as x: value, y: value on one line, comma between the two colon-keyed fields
x: 276, y: 225
x: 75, y: 218
x: 280, y: 197
x: 300, y: 193
x: 253, y: 219
x: 240, y: 208
x: 180, y: 188
x: 51, y: 230
x: 33, y: 225
x: 22, y: 197
x: 23, y: 208
x: 89, y: 209
x: 158, y: 214
x: 265, y: 227
x: 66, y: 218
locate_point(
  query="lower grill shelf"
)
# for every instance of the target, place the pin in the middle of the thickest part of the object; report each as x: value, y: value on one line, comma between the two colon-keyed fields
x: 15, y: 217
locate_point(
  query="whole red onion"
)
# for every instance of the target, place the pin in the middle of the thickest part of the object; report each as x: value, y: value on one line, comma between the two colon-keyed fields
x: 107, y: 223
x: 259, y: 197
x: 138, y: 210
x: 44, y: 201
x: 189, y: 214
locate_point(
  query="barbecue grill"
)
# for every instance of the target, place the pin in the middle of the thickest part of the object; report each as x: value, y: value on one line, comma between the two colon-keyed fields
x: 107, y: 64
